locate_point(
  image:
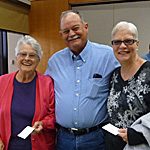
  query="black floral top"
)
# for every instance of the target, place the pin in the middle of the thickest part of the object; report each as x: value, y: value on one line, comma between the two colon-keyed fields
x: 129, y: 100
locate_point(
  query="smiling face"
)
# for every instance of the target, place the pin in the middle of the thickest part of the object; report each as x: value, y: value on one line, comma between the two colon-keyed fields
x: 125, y: 53
x: 27, y: 59
x: 74, y: 32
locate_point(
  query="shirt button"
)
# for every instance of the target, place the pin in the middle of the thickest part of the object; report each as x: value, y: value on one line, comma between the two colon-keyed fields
x: 84, y: 60
x: 78, y: 80
x: 75, y: 108
x: 75, y: 123
x: 33, y: 139
x: 78, y: 68
x: 77, y: 94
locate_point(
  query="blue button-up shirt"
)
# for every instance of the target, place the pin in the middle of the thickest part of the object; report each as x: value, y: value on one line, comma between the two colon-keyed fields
x: 146, y: 57
x: 81, y: 99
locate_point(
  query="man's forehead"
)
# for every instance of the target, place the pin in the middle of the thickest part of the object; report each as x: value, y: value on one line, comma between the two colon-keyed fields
x: 70, y: 21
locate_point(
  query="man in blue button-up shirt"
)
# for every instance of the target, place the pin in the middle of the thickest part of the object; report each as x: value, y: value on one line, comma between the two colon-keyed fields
x: 81, y: 74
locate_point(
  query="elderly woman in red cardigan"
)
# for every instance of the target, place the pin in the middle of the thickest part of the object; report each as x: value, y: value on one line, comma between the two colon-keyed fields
x: 27, y: 99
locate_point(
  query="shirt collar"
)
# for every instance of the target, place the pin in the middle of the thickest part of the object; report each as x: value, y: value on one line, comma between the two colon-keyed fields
x: 84, y: 54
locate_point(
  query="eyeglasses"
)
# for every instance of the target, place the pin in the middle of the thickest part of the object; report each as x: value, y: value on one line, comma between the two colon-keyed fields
x: 126, y: 42
x: 30, y: 55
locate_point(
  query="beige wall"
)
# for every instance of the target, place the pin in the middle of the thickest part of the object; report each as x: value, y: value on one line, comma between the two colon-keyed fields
x: 12, y: 39
x: 106, y: 16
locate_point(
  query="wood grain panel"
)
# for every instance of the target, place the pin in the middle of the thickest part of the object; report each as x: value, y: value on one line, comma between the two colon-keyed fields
x: 44, y: 27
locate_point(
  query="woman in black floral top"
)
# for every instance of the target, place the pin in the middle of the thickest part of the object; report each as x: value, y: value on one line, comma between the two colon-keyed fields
x: 129, y: 96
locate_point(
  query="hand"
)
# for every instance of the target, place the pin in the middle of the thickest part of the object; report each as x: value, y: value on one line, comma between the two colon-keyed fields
x: 38, y: 127
x: 123, y: 134
x: 1, y: 145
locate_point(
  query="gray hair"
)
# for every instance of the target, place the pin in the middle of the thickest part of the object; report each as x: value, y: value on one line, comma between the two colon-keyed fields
x: 32, y: 42
x: 124, y: 25
x: 65, y: 13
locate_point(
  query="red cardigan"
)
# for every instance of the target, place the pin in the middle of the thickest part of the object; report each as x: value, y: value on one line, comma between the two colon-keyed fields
x: 44, y: 111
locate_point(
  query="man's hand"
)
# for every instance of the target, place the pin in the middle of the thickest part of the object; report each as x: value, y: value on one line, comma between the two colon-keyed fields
x: 123, y: 134
x: 1, y: 145
x: 38, y: 127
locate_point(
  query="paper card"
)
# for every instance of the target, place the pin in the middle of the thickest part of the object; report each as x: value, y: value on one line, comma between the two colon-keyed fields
x: 25, y: 132
x: 111, y: 128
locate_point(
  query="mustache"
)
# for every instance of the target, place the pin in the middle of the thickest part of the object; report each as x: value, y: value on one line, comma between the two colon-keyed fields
x: 73, y: 38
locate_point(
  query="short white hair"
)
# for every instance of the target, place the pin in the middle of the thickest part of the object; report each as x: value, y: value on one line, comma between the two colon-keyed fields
x: 124, y: 25
x: 32, y: 42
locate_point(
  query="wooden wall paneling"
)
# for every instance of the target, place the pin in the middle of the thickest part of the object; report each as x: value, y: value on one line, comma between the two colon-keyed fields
x: 44, y: 27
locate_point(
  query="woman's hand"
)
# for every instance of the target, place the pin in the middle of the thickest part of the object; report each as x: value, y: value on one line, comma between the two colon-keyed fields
x: 38, y: 127
x: 1, y: 145
x: 123, y: 134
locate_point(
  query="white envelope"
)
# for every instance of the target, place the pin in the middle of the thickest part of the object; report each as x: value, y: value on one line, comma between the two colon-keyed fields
x: 111, y: 128
x: 25, y: 132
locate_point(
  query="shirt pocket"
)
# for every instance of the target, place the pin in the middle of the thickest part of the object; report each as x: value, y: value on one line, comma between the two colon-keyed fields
x: 96, y: 87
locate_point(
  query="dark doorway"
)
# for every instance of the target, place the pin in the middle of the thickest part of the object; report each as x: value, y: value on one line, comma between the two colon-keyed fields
x: 3, y: 53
